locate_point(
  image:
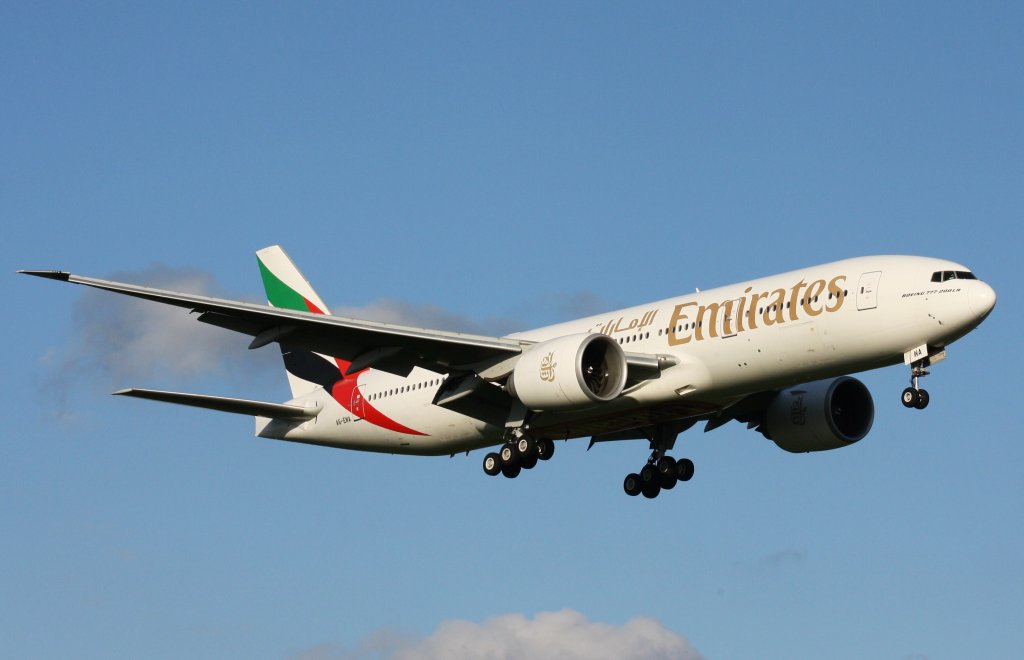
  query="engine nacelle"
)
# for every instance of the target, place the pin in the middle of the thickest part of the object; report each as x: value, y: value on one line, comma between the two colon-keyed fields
x: 825, y: 414
x: 569, y: 373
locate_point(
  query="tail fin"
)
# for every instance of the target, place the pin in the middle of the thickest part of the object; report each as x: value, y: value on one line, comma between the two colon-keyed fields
x: 288, y: 289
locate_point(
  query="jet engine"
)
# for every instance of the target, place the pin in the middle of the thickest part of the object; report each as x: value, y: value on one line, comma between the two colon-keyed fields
x: 825, y: 414
x: 569, y: 373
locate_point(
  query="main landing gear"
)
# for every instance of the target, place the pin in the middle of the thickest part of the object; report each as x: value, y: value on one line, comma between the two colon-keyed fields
x: 662, y: 472
x: 914, y: 396
x: 517, y: 455
x: 659, y: 474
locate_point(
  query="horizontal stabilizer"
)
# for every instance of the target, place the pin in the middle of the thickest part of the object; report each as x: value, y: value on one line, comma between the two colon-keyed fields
x: 226, y: 404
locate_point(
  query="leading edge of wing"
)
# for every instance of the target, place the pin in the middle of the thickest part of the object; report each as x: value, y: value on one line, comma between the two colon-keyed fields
x: 331, y: 335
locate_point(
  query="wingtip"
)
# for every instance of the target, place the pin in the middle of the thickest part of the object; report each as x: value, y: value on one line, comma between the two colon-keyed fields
x: 61, y: 275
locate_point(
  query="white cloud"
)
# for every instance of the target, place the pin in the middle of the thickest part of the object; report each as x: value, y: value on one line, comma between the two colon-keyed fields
x: 564, y: 635
x: 122, y: 338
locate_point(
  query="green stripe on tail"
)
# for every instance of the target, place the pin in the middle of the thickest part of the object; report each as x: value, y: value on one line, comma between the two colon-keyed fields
x: 280, y: 294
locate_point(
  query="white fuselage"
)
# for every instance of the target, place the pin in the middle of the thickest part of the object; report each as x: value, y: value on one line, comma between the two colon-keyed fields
x: 828, y: 320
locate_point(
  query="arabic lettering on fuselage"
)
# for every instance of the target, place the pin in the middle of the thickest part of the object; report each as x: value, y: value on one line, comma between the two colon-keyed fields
x: 620, y: 324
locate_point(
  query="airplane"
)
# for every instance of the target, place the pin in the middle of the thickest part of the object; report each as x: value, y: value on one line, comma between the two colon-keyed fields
x: 774, y: 353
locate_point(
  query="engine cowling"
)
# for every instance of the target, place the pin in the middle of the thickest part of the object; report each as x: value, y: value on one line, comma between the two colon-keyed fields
x: 825, y: 414
x: 569, y: 373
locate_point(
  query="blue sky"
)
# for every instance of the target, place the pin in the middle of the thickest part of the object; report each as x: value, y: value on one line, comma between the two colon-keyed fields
x: 496, y: 167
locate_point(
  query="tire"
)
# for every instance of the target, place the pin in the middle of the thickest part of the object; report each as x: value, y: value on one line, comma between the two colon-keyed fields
x: 529, y: 461
x: 632, y: 484
x: 509, y: 456
x: 527, y: 448
x: 649, y: 474
x: 492, y: 464
x: 684, y: 469
x: 910, y: 397
x: 667, y: 481
x: 667, y: 466
x: 545, y: 449
x: 922, y: 399
x: 651, y: 490
x: 511, y: 471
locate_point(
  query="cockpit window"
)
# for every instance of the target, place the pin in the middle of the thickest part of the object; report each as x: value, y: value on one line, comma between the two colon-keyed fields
x: 944, y: 275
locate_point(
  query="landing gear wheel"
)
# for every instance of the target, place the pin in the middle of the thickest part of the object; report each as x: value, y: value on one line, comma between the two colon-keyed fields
x: 910, y: 397
x: 545, y: 448
x: 632, y: 484
x: 651, y: 490
x: 922, y: 399
x: 511, y: 471
x: 527, y: 450
x: 492, y: 464
x: 649, y: 475
x: 527, y: 447
x: 509, y: 456
x: 684, y: 469
x: 667, y: 472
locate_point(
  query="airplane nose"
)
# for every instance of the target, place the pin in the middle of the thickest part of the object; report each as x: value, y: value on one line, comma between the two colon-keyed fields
x: 982, y: 299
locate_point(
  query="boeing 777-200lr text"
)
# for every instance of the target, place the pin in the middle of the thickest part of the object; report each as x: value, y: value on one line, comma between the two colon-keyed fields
x: 773, y: 353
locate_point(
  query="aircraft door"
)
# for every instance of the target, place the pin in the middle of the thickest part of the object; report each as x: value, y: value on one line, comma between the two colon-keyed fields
x: 867, y: 290
x: 357, y: 402
x: 725, y: 323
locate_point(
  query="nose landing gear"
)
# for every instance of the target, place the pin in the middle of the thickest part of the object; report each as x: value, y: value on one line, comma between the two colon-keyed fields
x: 914, y: 396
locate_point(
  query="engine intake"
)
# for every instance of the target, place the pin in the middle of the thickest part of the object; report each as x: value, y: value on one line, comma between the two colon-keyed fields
x: 569, y: 373
x: 818, y: 416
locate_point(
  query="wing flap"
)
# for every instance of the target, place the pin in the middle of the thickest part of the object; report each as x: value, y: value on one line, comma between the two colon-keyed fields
x: 226, y: 404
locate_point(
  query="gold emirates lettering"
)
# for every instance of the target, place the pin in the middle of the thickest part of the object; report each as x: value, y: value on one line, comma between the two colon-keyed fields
x: 695, y: 321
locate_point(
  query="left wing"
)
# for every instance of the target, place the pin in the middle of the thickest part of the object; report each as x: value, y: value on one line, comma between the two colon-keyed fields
x: 393, y: 348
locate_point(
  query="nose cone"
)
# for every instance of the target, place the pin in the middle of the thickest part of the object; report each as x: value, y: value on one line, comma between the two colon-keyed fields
x: 982, y: 299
